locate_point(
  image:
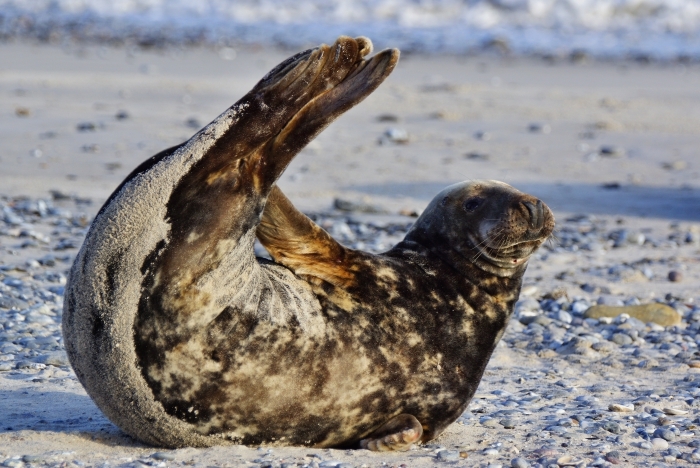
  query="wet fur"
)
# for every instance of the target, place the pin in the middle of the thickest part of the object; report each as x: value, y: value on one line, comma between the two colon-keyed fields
x: 182, y: 337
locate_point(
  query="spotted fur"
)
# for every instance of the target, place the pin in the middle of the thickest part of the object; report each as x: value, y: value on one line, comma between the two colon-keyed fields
x: 182, y: 337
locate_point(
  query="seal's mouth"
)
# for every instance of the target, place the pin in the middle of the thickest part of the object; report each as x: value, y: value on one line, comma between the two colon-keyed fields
x: 506, y: 256
x: 511, y: 240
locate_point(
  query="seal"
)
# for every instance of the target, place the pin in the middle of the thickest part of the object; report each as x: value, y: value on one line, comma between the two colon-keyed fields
x: 182, y: 337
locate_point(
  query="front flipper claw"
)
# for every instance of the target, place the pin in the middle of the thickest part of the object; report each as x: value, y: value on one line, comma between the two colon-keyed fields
x: 396, y: 435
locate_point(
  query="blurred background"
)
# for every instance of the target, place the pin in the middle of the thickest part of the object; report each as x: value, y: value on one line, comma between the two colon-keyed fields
x: 639, y: 29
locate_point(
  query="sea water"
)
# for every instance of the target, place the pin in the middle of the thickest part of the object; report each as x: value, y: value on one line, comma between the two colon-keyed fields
x: 653, y: 29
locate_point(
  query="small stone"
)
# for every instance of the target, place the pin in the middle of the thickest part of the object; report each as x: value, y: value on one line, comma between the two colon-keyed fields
x: 56, y: 358
x: 665, y: 434
x: 539, y: 128
x: 674, y: 411
x: 396, y: 135
x: 603, y: 347
x: 675, y: 276
x: 22, y: 112
x: 30, y: 365
x: 329, y: 464
x: 677, y: 165
x: 611, y: 426
x: 121, y: 115
x: 507, y: 423
x: 163, y: 456
x: 519, y: 463
x: 621, y: 339
x: 620, y: 408
x: 387, y: 118
x: 490, y: 452
x: 563, y: 316
x: 489, y: 422
x: 648, y: 364
x: 655, y: 312
x: 611, y: 151
x: 193, y: 122
x: 613, y: 457
x: 13, y: 463
x: 86, y: 127
x: 11, y: 303
x: 611, y: 185
x: 483, y: 136
x: 568, y: 460
x: 477, y: 156
x: 448, y: 455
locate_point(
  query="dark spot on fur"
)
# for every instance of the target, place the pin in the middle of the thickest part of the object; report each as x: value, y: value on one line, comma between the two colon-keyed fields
x: 112, y: 269
x: 151, y: 258
x: 98, y: 326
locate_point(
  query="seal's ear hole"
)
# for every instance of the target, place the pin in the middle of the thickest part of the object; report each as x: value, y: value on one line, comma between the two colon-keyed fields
x: 473, y: 203
x: 444, y: 201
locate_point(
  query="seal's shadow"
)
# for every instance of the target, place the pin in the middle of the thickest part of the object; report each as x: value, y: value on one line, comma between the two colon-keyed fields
x: 31, y: 409
x: 633, y: 200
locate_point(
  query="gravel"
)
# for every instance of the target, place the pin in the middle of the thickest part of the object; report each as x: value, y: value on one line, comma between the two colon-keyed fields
x: 598, y: 391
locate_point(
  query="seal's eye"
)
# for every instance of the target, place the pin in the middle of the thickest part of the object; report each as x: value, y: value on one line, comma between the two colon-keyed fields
x: 473, y: 203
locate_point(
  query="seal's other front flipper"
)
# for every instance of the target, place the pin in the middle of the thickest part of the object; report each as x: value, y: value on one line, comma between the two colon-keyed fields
x: 295, y: 241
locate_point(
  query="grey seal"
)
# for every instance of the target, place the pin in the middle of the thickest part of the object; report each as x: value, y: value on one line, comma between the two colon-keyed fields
x: 182, y: 337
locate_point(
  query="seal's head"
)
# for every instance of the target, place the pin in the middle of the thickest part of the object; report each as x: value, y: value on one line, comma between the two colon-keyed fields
x: 485, y: 223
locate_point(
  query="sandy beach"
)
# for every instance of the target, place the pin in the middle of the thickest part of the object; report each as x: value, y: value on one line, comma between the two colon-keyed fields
x: 611, y: 147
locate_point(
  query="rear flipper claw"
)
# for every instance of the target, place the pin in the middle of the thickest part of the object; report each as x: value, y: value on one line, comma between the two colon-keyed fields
x: 396, y: 435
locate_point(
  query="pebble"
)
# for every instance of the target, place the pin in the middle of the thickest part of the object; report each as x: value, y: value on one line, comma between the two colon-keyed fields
x: 665, y: 434
x: 620, y: 408
x: 448, y: 455
x: 611, y: 426
x: 675, y: 276
x: 612, y: 151
x: 539, y: 128
x: 489, y: 422
x: 169, y: 456
x: 674, y: 411
x: 519, y: 463
x: 621, y: 339
x: 395, y: 135
x: 613, y: 457
x: 507, y: 423
x: 658, y: 313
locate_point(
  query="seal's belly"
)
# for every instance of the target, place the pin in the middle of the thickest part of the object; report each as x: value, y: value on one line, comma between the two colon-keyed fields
x: 268, y: 382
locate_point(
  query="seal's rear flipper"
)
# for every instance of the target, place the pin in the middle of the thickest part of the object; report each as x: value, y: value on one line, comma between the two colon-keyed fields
x: 396, y: 435
x: 324, y: 109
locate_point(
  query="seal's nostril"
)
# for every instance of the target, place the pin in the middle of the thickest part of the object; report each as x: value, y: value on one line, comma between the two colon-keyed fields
x: 536, y: 213
x: 540, y: 214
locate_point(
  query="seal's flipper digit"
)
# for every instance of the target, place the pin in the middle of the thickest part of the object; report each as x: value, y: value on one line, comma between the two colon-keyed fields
x: 325, y: 108
x: 295, y: 241
x: 396, y: 435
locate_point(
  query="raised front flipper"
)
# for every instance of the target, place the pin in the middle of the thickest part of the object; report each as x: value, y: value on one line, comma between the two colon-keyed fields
x: 169, y: 256
x: 396, y: 435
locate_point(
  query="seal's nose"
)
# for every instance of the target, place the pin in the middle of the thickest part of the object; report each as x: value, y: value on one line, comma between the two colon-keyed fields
x: 536, y: 211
